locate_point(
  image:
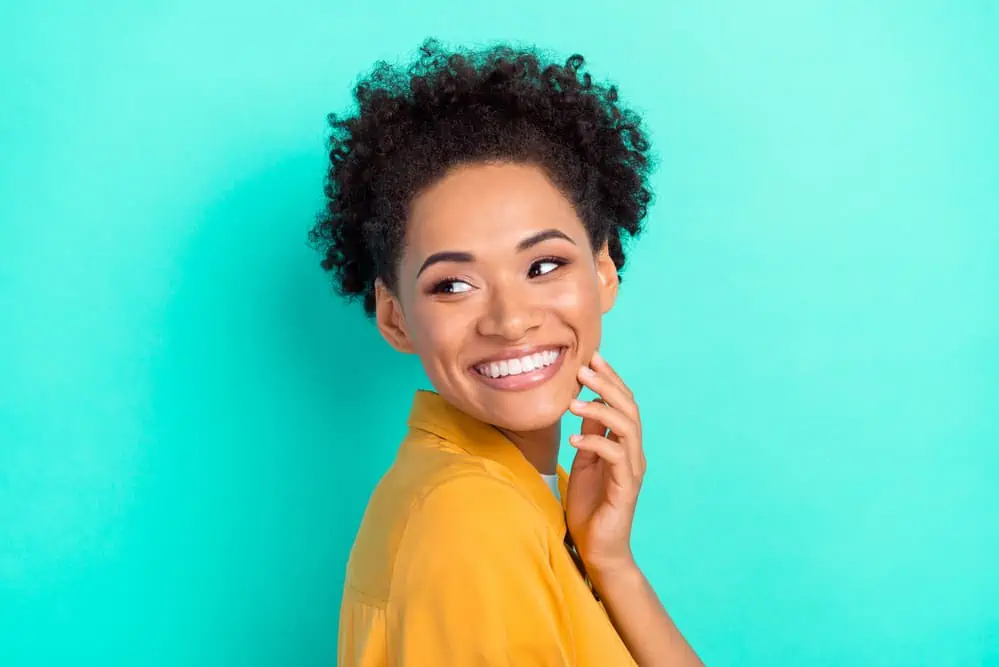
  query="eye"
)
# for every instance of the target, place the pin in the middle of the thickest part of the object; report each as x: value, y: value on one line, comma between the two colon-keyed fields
x: 450, y: 286
x: 545, y: 265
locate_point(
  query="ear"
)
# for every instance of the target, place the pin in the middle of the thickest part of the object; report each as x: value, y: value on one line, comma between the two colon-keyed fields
x: 390, y: 318
x: 607, y: 275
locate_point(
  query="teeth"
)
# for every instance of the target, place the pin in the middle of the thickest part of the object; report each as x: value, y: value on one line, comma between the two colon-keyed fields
x: 525, y: 364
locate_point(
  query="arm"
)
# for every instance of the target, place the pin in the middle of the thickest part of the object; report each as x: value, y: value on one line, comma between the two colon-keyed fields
x: 606, y: 477
x: 471, y: 586
x: 640, y: 619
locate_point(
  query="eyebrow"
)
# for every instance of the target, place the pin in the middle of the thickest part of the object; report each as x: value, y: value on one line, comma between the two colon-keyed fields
x: 465, y: 257
x: 534, y: 240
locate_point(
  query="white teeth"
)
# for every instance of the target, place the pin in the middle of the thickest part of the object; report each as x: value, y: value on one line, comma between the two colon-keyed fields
x: 525, y: 364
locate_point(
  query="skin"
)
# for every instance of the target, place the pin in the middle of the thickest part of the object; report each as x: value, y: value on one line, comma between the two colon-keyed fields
x: 604, y: 483
x: 486, y: 211
x: 519, y: 272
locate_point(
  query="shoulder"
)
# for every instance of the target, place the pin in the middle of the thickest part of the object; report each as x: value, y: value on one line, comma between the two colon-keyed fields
x: 468, y: 499
x: 470, y: 534
x: 453, y: 502
x: 442, y: 478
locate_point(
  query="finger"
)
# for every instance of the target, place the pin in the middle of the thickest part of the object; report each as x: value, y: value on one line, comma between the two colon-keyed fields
x: 604, y: 369
x: 605, y: 387
x: 583, y: 459
x: 591, y: 426
x: 601, y: 365
x: 612, y: 418
x: 619, y: 424
x: 611, y: 452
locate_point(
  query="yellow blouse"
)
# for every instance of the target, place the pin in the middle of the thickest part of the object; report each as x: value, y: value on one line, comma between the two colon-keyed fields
x: 460, y: 560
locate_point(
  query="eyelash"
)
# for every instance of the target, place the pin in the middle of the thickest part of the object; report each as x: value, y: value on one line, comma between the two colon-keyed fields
x: 559, y: 262
x: 438, y: 287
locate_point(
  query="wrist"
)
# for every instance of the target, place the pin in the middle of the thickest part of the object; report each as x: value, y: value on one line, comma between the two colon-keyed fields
x: 607, y: 571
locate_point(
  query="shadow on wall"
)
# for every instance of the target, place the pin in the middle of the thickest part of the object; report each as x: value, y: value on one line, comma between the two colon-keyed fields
x: 276, y: 409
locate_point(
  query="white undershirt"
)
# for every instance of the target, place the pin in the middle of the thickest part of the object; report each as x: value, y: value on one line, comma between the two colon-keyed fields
x: 552, y: 482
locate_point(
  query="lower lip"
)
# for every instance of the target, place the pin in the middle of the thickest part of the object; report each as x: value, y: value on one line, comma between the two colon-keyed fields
x: 522, y: 381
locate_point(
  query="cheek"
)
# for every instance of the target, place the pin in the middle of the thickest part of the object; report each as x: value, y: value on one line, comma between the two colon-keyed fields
x: 437, y: 334
x: 578, y: 303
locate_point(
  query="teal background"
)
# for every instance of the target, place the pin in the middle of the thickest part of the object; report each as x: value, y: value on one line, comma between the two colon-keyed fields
x: 190, y: 422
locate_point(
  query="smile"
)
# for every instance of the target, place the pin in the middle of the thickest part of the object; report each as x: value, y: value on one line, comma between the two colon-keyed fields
x: 518, y: 365
x: 521, y: 372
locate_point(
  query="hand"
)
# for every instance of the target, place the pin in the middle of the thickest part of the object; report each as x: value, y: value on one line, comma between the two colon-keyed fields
x: 607, y: 472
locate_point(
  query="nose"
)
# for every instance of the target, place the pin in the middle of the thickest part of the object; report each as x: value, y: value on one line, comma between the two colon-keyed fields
x: 510, y: 314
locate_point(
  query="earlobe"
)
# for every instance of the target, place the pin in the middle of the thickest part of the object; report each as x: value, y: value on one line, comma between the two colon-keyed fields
x: 390, y: 319
x: 609, y: 280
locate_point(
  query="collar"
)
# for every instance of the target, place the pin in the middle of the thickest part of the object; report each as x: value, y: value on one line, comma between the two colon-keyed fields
x: 433, y: 414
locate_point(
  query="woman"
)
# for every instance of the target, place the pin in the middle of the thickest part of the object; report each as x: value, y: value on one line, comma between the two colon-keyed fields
x: 476, y: 203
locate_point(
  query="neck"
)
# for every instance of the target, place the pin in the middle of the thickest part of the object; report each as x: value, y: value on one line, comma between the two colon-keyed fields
x: 539, y: 447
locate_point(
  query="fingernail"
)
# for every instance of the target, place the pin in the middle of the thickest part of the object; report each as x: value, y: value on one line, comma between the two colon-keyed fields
x: 586, y: 372
x: 574, y: 438
x: 577, y: 404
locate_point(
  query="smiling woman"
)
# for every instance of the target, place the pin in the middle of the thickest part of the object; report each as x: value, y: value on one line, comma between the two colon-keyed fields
x: 476, y: 202
x: 522, y: 279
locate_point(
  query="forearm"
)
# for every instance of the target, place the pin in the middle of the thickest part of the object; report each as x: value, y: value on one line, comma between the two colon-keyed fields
x: 640, y: 619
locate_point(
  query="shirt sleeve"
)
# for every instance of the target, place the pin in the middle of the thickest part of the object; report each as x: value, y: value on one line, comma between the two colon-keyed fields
x: 472, y: 582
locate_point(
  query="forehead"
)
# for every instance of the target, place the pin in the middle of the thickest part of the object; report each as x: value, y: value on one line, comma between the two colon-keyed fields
x: 480, y: 207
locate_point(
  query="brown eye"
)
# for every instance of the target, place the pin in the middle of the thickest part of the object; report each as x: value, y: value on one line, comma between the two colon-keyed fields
x: 545, y: 266
x: 450, y: 286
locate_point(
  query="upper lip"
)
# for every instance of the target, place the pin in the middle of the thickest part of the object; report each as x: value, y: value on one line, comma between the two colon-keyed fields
x: 517, y: 353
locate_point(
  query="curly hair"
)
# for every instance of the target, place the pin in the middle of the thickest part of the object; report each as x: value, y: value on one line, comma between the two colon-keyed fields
x: 451, y: 108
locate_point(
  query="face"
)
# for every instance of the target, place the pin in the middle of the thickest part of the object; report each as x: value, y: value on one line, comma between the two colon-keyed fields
x: 499, y: 293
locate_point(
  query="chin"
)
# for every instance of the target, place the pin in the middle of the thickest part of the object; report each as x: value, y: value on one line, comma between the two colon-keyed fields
x: 526, y: 412
x: 521, y: 423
